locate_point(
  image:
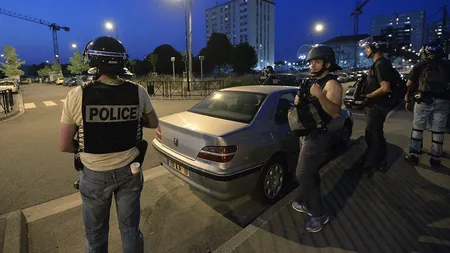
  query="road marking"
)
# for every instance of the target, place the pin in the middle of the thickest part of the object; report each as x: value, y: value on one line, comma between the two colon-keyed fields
x: 49, y: 103
x: 29, y: 105
x: 62, y: 204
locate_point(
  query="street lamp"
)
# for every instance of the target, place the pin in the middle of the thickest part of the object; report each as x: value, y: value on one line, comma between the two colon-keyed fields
x: 173, y: 66
x: 111, y: 26
x: 188, y: 45
x: 74, y: 46
x: 201, y: 58
x: 317, y: 28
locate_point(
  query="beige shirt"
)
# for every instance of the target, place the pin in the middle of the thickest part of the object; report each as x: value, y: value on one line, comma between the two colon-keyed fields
x: 72, y: 114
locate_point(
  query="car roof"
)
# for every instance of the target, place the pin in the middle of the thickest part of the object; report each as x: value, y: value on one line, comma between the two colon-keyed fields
x: 266, y: 89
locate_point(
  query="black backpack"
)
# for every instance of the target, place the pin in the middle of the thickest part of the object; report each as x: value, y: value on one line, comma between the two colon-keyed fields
x: 433, y: 77
x: 398, y: 85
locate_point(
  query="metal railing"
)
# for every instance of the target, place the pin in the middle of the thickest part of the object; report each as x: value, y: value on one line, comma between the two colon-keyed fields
x: 6, y: 100
x: 170, y: 89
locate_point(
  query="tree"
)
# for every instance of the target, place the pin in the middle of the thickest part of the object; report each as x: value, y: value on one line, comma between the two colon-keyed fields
x: 243, y: 58
x: 77, y: 65
x: 12, y: 64
x: 44, y: 71
x: 153, y: 58
x: 208, y: 65
x: 164, y: 64
x: 218, y: 50
x: 56, y: 67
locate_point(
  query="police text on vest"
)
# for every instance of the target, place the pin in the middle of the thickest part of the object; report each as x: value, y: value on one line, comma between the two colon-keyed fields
x: 111, y: 113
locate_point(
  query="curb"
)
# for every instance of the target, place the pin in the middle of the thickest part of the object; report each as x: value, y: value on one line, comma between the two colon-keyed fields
x: 20, y: 109
x: 345, y: 159
x: 15, y: 240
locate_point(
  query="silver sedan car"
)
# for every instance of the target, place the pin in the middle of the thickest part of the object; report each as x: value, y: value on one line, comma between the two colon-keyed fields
x: 237, y: 141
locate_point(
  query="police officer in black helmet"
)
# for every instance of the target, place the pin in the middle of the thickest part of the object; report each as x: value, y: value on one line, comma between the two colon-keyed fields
x: 378, y: 104
x: 326, y: 91
x: 429, y: 95
x: 108, y: 114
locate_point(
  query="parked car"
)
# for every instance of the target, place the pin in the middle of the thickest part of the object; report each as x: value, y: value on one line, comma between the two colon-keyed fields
x: 59, y: 81
x: 350, y: 101
x: 9, y: 84
x: 286, y: 79
x: 237, y: 141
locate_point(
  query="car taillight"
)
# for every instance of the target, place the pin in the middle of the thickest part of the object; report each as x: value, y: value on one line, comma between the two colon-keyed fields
x: 158, y: 133
x: 220, y: 154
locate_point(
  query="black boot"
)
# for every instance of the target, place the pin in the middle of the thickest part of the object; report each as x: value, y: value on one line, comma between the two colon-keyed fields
x: 435, y: 164
x: 412, y: 159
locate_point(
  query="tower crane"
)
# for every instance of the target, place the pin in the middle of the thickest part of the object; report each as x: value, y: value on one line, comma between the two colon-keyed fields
x: 356, y: 13
x: 54, y: 27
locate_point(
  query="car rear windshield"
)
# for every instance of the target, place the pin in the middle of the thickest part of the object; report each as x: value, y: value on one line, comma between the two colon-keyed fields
x: 6, y: 83
x: 231, y: 105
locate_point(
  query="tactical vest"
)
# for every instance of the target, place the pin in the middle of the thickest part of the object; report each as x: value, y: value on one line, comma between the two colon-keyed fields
x: 373, y: 84
x: 110, y: 118
x: 433, y: 80
x: 311, y: 116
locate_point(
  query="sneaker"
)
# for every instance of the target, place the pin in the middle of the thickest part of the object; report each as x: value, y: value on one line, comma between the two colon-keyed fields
x: 435, y: 163
x: 76, y: 185
x: 300, y: 207
x: 412, y: 159
x: 316, y: 224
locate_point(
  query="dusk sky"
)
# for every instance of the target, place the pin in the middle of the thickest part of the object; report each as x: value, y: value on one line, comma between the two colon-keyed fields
x: 146, y: 24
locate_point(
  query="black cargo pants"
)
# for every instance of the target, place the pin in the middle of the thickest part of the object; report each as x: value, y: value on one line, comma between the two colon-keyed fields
x: 376, y: 152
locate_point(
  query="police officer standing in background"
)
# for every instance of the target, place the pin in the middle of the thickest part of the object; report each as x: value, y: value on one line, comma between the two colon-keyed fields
x: 327, y: 93
x: 378, y: 103
x: 270, y: 76
x: 108, y: 113
x: 428, y: 86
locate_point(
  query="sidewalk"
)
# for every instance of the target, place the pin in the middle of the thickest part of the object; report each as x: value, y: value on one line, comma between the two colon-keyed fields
x: 405, y: 210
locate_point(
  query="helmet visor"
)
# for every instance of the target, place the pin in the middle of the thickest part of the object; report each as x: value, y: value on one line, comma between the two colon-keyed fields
x: 366, y: 42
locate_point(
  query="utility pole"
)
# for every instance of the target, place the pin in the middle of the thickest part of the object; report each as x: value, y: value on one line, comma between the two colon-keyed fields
x: 187, y: 48
x: 190, y: 42
x: 445, y: 36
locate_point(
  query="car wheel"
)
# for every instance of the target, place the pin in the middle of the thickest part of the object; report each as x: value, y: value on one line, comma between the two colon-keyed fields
x: 271, y: 181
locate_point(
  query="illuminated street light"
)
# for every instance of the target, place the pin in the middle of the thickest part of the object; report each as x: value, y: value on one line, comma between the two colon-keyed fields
x: 111, y: 26
x: 319, y: 27
x: 74, y: 46
x: 2, y: 55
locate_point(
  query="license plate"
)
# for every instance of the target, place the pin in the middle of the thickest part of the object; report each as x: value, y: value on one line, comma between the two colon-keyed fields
x: 358, y: 102
x: 178, y: 167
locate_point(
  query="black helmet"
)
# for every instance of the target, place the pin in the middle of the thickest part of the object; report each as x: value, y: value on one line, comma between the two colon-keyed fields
x: 432, y: 50
x: 326, y: 53
x: 107, y: 54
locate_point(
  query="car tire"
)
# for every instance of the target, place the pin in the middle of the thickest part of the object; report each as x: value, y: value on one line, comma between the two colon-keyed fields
x: 273, y: 173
